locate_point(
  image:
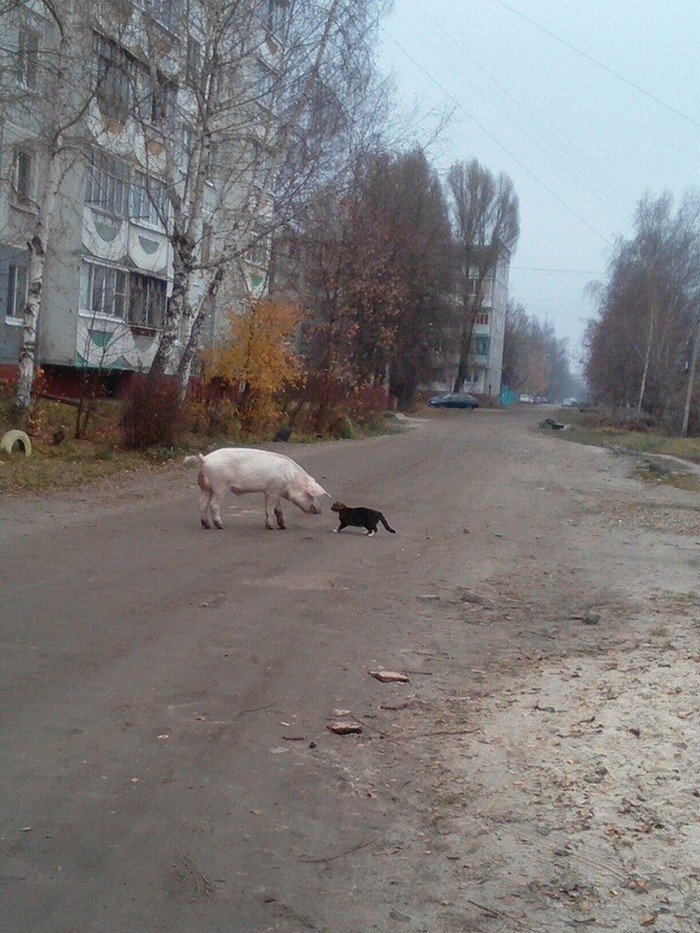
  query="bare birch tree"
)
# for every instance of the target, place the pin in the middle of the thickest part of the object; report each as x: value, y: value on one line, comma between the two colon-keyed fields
x: 258, y: 102
x: 641, y: 341
x: 485, y: 219
x: 47, y: 93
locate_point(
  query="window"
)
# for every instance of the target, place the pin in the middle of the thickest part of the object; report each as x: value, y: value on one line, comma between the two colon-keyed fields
x: 481, y: 345
x: 194, y: 59
x: 257, y: 254
x: 482, y: 319
x: 107, y: 183
x: 115, y: 75
x: 22, y: 176
x: 27, y: 57
x: 115, y: 293
x: 163, y: 97
x: 275, y: 16
x: 187, y: 143
x: 103, y: 290
x: 472, y: 285
x: 265, y: 84
x: 206, y: 243
x: 165, y: 12
x: 212, y: 160
x: 149, y: 200
x: 16, y: 291
x: 147, y: 297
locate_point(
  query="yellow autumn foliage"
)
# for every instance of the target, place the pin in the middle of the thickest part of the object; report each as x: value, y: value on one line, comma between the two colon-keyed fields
x: 257, y: 356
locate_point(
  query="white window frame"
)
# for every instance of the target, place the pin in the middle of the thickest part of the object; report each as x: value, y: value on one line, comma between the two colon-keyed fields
x: 13, y: 277
x: 108, y: 183
x: 151, y: 291
x: 148, y: 202
x: 112, y: 277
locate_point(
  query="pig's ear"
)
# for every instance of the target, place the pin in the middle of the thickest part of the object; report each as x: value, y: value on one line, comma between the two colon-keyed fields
x: 317, y: 490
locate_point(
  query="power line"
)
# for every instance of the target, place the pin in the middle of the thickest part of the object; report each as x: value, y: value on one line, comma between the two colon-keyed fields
x: 600, y: 64
x: 484, y: 71
x: 553, y: 269
x: 508, y: 152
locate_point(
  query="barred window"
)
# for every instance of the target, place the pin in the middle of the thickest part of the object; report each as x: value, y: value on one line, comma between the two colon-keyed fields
x: 107, y: 183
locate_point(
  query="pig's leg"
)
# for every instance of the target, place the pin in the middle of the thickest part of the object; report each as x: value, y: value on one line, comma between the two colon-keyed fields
x: 280, y: 516
x: 271, y: 503
x: 215, y: 507
x: 204, y: 503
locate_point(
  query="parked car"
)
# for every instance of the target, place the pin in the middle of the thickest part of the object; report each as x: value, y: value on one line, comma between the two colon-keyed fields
x: 541, y: 400
x: 569, y: 403
x: 454, y: 400
x: 526, y: 399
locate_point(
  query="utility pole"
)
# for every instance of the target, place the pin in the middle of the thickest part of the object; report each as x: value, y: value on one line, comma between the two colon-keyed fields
x: 691, y: 376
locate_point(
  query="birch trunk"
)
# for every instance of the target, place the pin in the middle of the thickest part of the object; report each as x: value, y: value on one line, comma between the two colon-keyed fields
x: 184, y: 369
x: 290, y: 126
x: 183, y: 259
x: 35, y: 286
x: 647, y: 359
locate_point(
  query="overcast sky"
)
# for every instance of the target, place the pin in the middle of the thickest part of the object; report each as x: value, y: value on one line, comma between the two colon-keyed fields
x: 534, y: 108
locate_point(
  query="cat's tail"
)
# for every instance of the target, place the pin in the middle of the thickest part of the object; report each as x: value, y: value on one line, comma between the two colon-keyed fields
x: 386, y: 524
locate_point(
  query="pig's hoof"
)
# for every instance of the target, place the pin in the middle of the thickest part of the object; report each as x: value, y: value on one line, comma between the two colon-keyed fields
x: 281, y: 527
x: 205, y: 524
x: 218, y: 525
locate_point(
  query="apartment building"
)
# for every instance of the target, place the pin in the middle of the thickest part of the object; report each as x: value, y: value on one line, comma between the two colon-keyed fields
x: 486, y: 358
x: 129, y: 116
x: 484, y: 371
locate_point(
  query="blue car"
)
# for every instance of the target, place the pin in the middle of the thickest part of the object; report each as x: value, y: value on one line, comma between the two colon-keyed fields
x: 454, y: 400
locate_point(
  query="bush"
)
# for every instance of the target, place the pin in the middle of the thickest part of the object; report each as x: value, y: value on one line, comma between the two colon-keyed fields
x: 343, y: 429
x: 152, y: 413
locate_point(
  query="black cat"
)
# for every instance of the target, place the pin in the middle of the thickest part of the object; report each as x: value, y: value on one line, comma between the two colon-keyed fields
x: 360, y: 518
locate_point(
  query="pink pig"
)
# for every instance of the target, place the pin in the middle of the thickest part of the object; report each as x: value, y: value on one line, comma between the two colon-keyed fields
x: 243, y: 470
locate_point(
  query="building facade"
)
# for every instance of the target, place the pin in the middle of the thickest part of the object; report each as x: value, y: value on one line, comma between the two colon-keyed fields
x: 485, y: 367
x: 127, y: 114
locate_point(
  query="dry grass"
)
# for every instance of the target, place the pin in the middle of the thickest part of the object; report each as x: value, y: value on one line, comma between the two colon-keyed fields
x: 592, y: 430
x: 102, y: 454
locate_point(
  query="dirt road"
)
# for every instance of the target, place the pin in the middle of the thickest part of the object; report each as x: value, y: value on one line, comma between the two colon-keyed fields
x: 166, y: 692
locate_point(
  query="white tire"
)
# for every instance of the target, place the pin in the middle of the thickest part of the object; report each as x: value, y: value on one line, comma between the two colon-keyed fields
x: 16, y: 437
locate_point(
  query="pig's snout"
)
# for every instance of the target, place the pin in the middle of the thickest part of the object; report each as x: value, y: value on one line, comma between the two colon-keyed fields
x: 315, y: 510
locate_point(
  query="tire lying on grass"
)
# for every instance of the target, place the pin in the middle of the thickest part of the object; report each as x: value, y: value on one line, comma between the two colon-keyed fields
x: 16, y: 440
